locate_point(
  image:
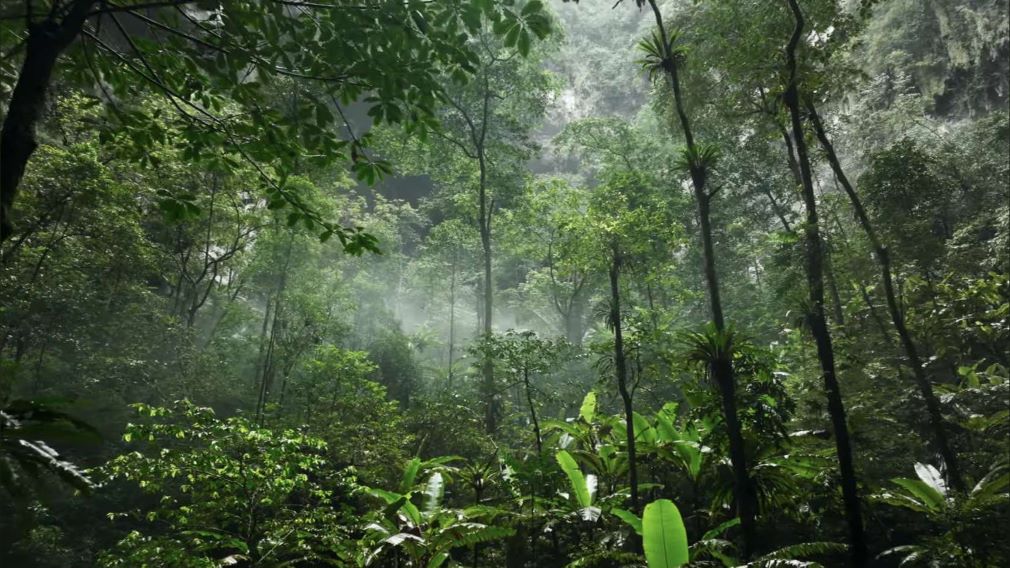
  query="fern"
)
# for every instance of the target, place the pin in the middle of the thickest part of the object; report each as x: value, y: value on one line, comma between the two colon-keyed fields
x: 460, y: 535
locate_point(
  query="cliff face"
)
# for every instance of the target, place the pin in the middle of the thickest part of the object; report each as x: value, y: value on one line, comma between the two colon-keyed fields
x: 956, y: 52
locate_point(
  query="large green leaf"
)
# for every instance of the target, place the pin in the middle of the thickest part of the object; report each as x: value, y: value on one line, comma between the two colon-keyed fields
x: 410, y: 474
x: 578, y: 481
x: 630, y: 518
x: 923, y: 492
x: 664, y: 536
x: 644, y: 432
x: 587, y: 412
x: 434, y: 489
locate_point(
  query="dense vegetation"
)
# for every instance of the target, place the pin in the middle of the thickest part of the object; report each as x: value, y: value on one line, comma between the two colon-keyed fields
x: 504, y: 283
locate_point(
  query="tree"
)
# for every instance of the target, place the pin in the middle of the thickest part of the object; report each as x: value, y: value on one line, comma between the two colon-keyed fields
x: 939, y: 430
x: 451, y: 246
x: 486, y: 122
x: 521, y: 358
x: 816, y: 313
x: 216, y: 63
x: 661, y: 56
x: 547, y: 230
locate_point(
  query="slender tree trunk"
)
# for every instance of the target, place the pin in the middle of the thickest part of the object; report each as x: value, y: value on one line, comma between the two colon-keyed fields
x: 722, y: 369
x: 817, y: 318
x: 487, y: 365
x: 533, y: 411
x: 452, y: 319
x: 778, y: 210
x: 876, y: 316
x: 621, y: 370
x: 46, y: 41
x: 940, y: 438
x: 267, y: 360
x: 836, y: 297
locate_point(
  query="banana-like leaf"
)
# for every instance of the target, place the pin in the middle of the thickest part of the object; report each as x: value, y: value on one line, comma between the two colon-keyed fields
x: 630, y: 518
x: 37, y: 454
x: 411, y: 512
x: 721, y: 528
x: 932, y: 477
x: 438, y: 560
x: 572, y: 429
x: 994, y: 482
x: 591, y: 485
x: 399, y: 538
x: 575, y: 478
x: 923, y: 492
x: 587, y: 412
x: 664, y: 536
x: 410, y: 475
x: 644, y: 432
x: 909, y: 553
x: 388, y: 496
x: 591, y: 514
x: 434, y: 490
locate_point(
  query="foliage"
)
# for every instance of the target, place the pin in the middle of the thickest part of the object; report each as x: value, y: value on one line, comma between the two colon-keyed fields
x: 225, y: 491
x: 204, y: 178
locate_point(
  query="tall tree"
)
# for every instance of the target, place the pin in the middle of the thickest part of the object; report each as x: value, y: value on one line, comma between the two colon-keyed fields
x: 663, y: 56
x: 488, y: 120
x: 908, y: 344
x: 816, y: 313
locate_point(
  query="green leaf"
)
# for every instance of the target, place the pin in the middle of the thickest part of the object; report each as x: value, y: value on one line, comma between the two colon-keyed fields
x: 664, y: 536
x: 922, y: 492
x: 721, y: 528
x: 644, y: 432
x: 438, y: 559
x: 628, y: 517
x: 587, y: 412
x: 531, y: 7
x: 575, y: 477
x: 994, y: 482
x: 523, y: 43
x: 410, y: 474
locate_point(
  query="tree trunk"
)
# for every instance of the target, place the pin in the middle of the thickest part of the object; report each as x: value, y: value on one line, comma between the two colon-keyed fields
x: 836, y: 297
x: 722, y: 370
x: 817, y: 318
x: 452, y: 319
x: 46, y: 41
x: 573, y: 319
x: 936, y: 423
x: 487, y: 365
x: 533, y: 412
x: 621, y: 370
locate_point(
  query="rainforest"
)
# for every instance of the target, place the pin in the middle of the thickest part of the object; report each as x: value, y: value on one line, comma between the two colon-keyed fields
x: 504, y: 283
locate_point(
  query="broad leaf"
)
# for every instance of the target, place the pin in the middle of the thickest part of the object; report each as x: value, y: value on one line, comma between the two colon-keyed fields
x: 588, y: 410
x: 433, y: 492
x: 575, y: 477
x: 410, y: 474
x: 932, y: 477
x: 664, y: 536
x: 630, y: 518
